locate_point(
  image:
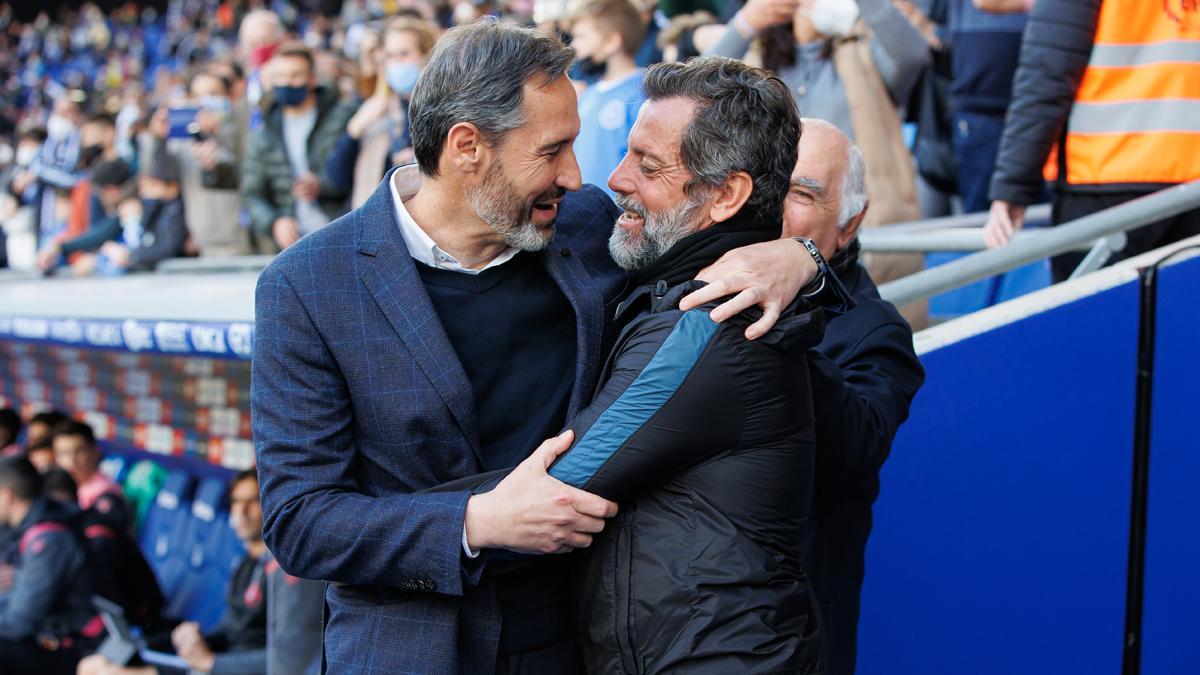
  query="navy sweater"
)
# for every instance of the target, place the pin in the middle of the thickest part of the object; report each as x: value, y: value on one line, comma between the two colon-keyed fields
x: 509, y: 319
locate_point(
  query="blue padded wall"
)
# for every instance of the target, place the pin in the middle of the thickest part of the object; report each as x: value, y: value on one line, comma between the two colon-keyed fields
x: 1001, y: 531
x: 1170, y: 642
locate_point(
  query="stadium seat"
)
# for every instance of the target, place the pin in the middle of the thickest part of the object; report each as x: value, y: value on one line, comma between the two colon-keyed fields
x: 164, y: 529
x: 114, y: 466
x: 213, y: 551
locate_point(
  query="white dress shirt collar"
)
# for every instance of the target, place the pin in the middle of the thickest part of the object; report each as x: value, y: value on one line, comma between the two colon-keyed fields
x: 425, y: 250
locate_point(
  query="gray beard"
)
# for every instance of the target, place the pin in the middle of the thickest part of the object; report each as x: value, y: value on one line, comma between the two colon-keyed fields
x: 497, y: 203
x: 660, y: 231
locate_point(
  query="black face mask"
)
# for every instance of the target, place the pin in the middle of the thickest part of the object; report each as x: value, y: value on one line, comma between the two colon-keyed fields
x: 589, y: 67
x: 88, y: 154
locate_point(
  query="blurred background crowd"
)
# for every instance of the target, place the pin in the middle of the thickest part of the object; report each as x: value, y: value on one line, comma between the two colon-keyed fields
x: 135, y: 133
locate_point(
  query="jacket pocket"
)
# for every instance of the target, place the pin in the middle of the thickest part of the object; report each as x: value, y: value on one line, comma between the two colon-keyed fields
x: 623, y: 592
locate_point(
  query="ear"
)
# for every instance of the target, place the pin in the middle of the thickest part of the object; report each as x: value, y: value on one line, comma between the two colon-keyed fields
x: 849, y: 232
x: 464, y: 150
x: 732, y: 197
x: 612, y: 45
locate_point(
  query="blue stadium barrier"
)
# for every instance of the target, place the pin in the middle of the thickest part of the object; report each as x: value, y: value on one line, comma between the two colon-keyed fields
x: 1001, y: 532
x: 1172, y: 547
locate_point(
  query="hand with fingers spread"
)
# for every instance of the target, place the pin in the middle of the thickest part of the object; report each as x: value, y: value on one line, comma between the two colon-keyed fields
x: 1004, y: 219
x: 769, y: 275
x: 531, y: 512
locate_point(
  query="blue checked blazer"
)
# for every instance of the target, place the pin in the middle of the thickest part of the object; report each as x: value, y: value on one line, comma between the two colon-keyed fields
x: 359, y: 400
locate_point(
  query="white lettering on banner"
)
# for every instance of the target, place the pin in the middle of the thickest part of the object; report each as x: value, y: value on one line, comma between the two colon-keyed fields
x: 171, y: 336
x: 6, y: 325
x: 137, y: 336
x: 208, y: 339
x: 36, y: 329
x: 240, y: 338
x: 102, y: 334
x: 66, y: 331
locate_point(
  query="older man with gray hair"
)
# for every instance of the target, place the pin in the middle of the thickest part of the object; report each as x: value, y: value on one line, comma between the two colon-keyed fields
x: 864, y: 375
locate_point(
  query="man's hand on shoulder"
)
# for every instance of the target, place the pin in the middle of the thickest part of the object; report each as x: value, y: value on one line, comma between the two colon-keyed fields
x: 531, y: 512
x: 769, y: 275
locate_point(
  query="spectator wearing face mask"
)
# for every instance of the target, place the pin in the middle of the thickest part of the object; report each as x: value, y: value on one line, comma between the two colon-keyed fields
x: 607, y: 35
x: 258, y: 36
x: 151, y: 234
x: 110, y: 183
x: 208, y: 163
x: 54, y: 169
x: 285, y: 197
x: 17, y: 220
x: 377, y: 137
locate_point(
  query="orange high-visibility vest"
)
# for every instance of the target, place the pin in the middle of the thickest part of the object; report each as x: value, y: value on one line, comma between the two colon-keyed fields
x: 1136, y: 116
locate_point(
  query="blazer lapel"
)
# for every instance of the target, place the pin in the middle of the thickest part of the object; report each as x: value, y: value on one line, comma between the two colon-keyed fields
x: 391, y: 276
x: 575, y: 283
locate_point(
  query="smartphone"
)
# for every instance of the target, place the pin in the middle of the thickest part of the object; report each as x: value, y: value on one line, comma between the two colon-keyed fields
x: 182, y: 122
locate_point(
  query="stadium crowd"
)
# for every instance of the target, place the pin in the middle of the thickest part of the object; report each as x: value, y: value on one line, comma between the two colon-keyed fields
x: 227, y: 128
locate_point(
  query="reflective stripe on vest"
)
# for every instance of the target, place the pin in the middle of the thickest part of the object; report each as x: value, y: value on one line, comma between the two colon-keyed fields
x: 1136, y: 116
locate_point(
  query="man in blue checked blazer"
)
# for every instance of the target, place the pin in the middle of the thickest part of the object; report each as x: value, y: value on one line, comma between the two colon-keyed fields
x: 428, y: 337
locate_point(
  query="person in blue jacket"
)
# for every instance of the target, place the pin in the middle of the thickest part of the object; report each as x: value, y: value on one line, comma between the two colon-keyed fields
x: 46, y: 618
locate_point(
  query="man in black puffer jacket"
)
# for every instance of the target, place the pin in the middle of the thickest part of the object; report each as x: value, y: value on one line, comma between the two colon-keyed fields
x: 705, y: 439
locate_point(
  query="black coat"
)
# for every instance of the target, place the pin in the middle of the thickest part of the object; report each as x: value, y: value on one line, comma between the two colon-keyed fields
x: 865, y: 374
x: 1054, y: 55
x: 707, y: 441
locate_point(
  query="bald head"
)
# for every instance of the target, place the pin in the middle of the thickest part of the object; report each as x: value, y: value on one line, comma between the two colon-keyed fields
x: 827, y: 197
x: 259, y: 28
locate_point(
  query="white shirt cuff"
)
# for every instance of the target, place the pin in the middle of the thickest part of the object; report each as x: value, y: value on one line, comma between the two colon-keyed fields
x: 466, y: 548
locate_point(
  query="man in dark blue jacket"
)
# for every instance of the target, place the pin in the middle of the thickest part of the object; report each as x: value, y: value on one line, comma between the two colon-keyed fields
x: 424, y: 338
x: 864, y: 375
x: 45, y: 614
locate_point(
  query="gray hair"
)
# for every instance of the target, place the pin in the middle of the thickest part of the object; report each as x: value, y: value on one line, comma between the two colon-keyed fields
x: 476, y: 74
x: 745, y: 121
x: 854, y: 186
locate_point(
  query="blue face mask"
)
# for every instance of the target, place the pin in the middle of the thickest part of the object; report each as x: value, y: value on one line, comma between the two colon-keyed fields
x: 217, y: 104
x: 402, y: 77
x: 290, y: 97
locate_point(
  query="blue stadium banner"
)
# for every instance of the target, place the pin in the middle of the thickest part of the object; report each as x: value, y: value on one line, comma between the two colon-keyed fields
x: 231, y: 340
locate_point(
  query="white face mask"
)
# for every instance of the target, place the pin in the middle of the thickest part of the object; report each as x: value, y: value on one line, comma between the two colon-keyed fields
x: 26, y: 154
x: 59, y: 127
x: 834, y: 18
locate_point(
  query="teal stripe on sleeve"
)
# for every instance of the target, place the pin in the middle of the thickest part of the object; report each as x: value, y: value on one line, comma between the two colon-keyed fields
x: 654, y: 386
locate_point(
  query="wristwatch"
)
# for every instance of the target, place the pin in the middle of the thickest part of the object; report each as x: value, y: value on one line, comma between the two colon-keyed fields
x: 818, y: 282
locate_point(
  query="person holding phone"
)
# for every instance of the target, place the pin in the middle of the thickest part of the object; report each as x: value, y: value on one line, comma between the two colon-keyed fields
x: 199, y: 138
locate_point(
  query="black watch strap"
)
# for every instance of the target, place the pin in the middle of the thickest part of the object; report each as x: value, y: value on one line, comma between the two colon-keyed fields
x: 818, y: 282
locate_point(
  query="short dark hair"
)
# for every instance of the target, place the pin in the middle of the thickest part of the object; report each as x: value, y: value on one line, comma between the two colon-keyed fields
x: 76, y: 428
x: 111, y: 173
x: 17, y: 474
x: 58, y: 480
x: 102, y: 118
x: 745, y: 120
x: 50, y: 418
x: 296, y: 50
x: 245, y: 474
x: 477, y: 74
x: 10, y: 421
x: 619, y: 16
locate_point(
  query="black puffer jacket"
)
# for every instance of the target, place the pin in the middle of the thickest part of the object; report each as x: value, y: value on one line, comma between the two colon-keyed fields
x: 707, y: 442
